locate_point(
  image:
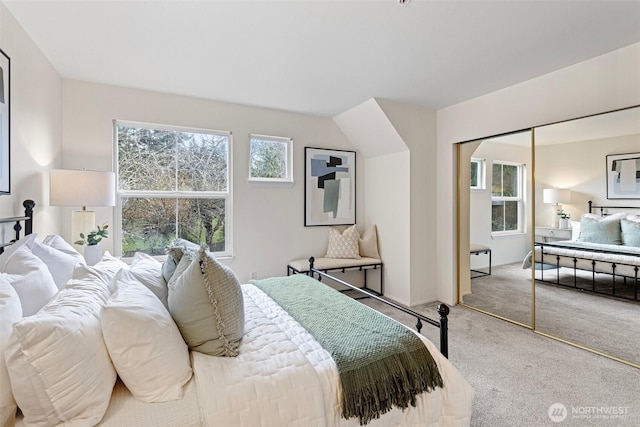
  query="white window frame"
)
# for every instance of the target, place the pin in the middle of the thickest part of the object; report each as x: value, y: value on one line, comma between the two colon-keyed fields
x: 482, y: 173
x: 288, y: 179
x: 226, y: 195
x: 519, y: 199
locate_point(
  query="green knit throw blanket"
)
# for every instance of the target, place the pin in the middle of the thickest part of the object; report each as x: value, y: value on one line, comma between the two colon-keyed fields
x: 381, y: 363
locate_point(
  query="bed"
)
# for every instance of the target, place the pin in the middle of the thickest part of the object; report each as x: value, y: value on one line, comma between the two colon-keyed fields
x: 280, y: 373
x: 603, y: 255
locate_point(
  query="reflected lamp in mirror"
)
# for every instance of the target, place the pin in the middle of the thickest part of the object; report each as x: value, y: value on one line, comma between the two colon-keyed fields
x: 82, y: 188
x: 557, y: 197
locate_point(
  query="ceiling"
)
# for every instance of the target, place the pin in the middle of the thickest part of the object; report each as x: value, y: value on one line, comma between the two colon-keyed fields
x: 323, y: 57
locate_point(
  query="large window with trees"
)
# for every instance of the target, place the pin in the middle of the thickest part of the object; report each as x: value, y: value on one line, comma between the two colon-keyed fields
x: 172, y: 182
x: 506, y: 197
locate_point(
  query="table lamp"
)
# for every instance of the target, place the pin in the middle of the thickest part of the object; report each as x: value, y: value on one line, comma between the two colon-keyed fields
x: 82, y: 188
x: 556, y: 196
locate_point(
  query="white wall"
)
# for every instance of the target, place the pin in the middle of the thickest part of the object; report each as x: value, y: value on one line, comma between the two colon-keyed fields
x: 579, y: 166
x: 268, y: 223
x: 604, y: 83
x: 36, y: 133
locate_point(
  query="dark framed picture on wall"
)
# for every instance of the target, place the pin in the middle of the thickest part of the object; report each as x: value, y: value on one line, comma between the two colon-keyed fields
x: 329, y: 187
x: 623, y: 176
x: 5, y: 133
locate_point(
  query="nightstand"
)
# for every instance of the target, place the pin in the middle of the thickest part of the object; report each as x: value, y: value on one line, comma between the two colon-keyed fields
x: 552, y: 234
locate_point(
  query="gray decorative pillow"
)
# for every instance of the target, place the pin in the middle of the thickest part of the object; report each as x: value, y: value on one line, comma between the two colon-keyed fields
x: 630, y: 232
x: 600, y: 231
x: 174, y: 255
x: 205, y: 301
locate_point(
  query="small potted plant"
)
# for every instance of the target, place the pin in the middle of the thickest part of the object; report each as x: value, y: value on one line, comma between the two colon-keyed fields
x: 564, y: 219
x: 93, y: 251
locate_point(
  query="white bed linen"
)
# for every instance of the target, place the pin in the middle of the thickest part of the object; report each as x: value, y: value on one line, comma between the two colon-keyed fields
x: 625, y: 263
x: 254, y: 389
x: 282, y: 377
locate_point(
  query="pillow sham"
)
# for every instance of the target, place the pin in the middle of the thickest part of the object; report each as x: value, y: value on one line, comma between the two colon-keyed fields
x: 575, y: 230
x: 57, y: 242
x: 148, y: 271
x: 31, y: 279
x: 368, y: 243
x: 10, y: 312
x: 600, y: 230
x: 630, y: 231
x: 58, y: 363
x: 60, y: 264
x: 26, y: 241
x: 106, y: 269
x: 343, y: 245
x: 144, y: 343
x: 205, y: 300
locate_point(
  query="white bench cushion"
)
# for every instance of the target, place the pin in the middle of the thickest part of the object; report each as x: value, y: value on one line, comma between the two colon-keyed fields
x: 302, y: 265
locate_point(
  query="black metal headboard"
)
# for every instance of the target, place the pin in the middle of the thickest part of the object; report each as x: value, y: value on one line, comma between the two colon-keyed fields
x: 602, y: 208
x: 18, y: 220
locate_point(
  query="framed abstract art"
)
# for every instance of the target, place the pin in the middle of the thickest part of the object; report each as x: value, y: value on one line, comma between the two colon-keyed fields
x: 329, y: 187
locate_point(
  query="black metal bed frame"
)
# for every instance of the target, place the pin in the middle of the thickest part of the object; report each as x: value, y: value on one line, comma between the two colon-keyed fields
x: 635, y: 278
x: 443, y: 309
x: 17, y: 227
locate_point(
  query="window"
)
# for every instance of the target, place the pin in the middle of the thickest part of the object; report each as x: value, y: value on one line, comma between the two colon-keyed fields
x: 477, y: 174
x: 172, y: 182
x: 506, y: 197
x: 270, y: 159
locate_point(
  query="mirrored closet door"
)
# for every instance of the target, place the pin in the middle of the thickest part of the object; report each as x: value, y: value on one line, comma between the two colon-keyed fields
x: 590, y: 298
x: 495, y: 193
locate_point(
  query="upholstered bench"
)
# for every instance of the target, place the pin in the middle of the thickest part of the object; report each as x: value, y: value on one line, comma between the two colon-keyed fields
x: 476, y: 249
x: 341, y: 265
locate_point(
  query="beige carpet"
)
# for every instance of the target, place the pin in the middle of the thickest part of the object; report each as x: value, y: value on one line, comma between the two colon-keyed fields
x: 518, y: 375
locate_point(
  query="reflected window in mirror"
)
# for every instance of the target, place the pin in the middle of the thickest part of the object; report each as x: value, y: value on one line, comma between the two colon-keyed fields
x: 478, y: 173
x: 506, y: 198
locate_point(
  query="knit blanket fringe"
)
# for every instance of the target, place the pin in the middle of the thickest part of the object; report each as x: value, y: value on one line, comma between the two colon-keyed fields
x: 381, y: 364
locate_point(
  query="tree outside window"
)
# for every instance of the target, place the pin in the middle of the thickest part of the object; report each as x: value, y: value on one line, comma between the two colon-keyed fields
x: 172, y: 182
x: 270, y: 158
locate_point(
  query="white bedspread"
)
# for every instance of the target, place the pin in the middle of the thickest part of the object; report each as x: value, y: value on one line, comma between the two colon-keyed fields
x: 284, y: 377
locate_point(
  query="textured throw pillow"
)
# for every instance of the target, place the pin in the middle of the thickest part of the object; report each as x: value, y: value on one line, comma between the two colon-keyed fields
x: 144, y: 343
x: 597, y: 230
x: 205, y: 301
x: 60, y: 264
x: 58, y: 363
x: 343, y: 245
x: 368, y: 243
x: 10, y: 312
x: 148, y: 271
x: 31, y: 279
x: 630, y: 232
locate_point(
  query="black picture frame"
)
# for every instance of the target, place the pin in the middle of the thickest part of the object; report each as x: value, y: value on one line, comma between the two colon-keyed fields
x: 329, y: 187
x: 5, y: 123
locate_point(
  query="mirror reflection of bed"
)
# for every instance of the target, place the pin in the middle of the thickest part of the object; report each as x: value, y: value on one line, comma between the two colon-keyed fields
x: 575, y: 155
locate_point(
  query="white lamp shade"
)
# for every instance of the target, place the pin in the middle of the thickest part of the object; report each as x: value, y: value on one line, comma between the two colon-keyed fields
x: 556, y: 195
x: 77, y: 188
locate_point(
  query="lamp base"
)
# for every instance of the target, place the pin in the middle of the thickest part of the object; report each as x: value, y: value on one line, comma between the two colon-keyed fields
x: 555, y: 212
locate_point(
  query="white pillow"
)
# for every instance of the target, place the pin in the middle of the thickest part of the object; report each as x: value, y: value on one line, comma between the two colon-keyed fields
x: 10, y: 312
x: 31, y: 279
x: 10, y: 250
x: 58, y: 363
x: 575, y: 230
x: 148, y: 271
x: 106, y: 268
x: 144, y: 343
x: 368, y: 243
x: 60, y: 264
x: 60, y: 244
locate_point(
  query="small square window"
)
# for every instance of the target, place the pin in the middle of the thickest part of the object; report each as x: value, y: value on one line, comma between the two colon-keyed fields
x: 270, y: 158
x: 477, y: 174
